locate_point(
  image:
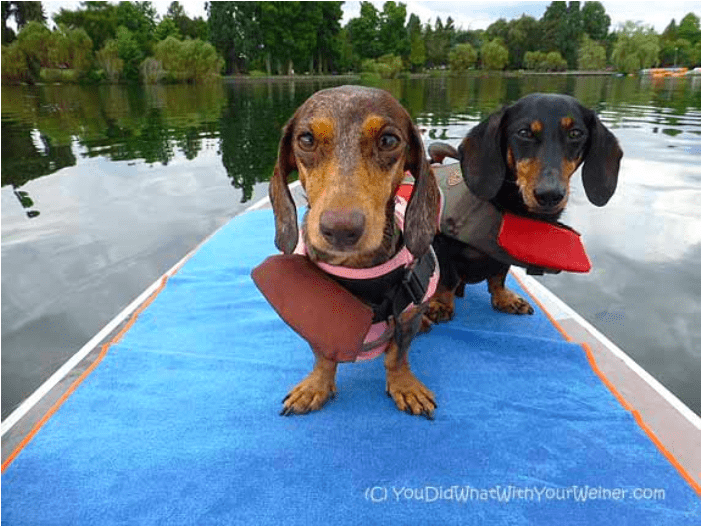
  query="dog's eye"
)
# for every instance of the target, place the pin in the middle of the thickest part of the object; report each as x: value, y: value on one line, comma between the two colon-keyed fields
x: 306, y: 141
x: 575, y: 134
x: 388, y: 141
x: 525, y: 133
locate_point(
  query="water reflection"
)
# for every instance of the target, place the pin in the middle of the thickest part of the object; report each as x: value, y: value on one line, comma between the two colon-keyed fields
x: 105, y: 188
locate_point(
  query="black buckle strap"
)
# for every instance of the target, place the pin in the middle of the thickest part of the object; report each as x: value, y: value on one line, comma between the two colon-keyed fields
x: 390, y: 294
x: 417, y: 277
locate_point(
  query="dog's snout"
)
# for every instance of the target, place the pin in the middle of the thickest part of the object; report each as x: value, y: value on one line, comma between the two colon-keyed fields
x: 549, y: 195
x: 342, y: 228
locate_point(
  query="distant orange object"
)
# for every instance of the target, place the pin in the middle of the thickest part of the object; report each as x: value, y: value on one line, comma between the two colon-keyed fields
x: 667, y: 72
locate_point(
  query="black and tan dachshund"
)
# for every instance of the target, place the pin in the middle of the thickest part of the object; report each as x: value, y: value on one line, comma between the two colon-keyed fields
x: 521, y: 160
x: 351, y: 147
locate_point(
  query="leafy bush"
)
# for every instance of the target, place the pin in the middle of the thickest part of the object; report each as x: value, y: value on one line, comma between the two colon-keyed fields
x: 151, y: 71
x: 387, y: 66
x: 72, y: 49
x: 14, y: 64
x: 637, y: 47
x: 535, y: 60
x: 540, y: 61
x: 111, y: 64
x: 555, y: 62
x: 462, y: 57
x: 58, y: 75
x: 188, y: 60
x: 590, y: 55
x: 495, y: 55
x: 129, y: 51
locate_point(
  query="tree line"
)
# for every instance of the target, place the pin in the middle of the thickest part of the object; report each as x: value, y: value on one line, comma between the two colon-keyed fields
x: 278, y: 38
x: 129, y: 41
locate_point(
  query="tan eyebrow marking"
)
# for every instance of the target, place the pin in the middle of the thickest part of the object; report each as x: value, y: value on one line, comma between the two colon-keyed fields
x: 567, y: 122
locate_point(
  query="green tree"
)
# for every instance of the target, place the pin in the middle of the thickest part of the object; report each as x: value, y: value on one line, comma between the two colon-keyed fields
x: 22, y: 12
x: 552, y: 26
x: 523, y: 35
x: 140, y: 19
x: 98, y: 19
x: 677, y: 43
x: 393, y: 35
x: 689, y: 29
x: 590, y: 56
x: 187, y: 27
x: 572, y: 32
x: 328, y: 46
x: 34, y: 40
x: 438, y: 42
x: 292, y: 45
x: 234, y: 30
x: 108, y: 59
x: 637, y: 47
x: 417, y: 54
x: 495, y: 55
x: 595, y: 21
x: 386, y: 66
x: 555, y: 62
x: 541, y: 61
x: 462, y: 57
x: 14, y: 64
x: 8, y: 35
x: 346, y: 60
x: 71, y: 48
x: 187, y: 60
x: 129, y: 51
x: 364, y: 32
x: 498, y: 29
x: 167, y: 28
x: 535, y: 60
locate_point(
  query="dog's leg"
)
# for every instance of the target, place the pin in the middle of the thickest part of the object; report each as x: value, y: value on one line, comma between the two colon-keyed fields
x: 406, y: 390
x: 441, y: 306
x: 314, y: 391
x: 505, y: 300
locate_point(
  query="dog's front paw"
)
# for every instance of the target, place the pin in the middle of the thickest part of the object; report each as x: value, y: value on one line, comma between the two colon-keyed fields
x: 309, y: 395
x: 410, y: 395
x: 510, y: 302
x: 441, y: 307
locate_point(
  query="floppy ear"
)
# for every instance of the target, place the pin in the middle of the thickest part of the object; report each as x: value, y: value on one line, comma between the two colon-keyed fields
x: 421, y: 220
x: 482, y: 158
x: 601, y: 163
x: 286, y: 229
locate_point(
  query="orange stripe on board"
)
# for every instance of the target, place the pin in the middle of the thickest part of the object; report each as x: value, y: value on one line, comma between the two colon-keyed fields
x: 103, y: 352
x: 626, y: 405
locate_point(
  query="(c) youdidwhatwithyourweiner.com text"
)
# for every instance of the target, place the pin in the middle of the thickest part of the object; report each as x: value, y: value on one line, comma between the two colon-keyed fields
x: 506, y: 494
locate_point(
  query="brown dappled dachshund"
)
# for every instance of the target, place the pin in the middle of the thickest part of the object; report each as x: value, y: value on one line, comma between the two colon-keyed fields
x: 521, y: 160
x: 351, y: 147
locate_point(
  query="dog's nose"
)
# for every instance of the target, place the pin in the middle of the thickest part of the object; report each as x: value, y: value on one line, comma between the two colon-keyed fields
x: 342, y: 228
x: 549, y: 196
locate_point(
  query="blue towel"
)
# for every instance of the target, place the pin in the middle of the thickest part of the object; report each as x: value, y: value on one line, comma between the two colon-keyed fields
x: 179, y: 424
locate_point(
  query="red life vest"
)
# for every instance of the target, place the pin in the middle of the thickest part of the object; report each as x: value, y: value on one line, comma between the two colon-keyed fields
x: 538, y: 246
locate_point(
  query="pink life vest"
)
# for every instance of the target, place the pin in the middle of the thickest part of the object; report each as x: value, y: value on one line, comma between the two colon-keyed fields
x: 380, y: 332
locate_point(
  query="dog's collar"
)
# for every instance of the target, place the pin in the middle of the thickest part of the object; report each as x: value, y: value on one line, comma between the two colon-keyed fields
x: 388, y: 288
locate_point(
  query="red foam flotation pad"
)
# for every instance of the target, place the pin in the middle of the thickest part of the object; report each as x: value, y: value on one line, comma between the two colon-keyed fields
x: 543, y: 244
x: 330, y: 318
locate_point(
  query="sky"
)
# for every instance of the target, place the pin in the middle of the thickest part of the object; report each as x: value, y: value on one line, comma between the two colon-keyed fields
x: 472, y: 15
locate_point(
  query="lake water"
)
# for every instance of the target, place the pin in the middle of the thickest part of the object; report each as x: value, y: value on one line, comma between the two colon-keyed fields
x: 105, y: 188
